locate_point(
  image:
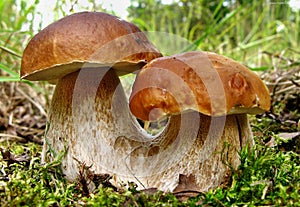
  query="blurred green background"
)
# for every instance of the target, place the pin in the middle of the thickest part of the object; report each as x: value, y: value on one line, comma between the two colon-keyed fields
x: 252, y: 32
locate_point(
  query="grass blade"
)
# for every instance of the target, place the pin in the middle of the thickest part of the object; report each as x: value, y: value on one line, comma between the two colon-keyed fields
x: 9, y: 71
x: 9, y: 79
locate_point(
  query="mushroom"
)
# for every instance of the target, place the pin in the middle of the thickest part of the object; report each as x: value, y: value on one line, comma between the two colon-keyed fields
x: 90, y: 121
x: 86, y: 39
x: 218, y: 92
x: 206, y: 82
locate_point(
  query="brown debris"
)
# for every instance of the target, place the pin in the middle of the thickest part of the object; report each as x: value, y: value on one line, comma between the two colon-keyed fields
x: 290, y: 142
x: 186, y: 187
x: 22, y: 112
x: 284, y: 87
x: 11, y: 158
x: 88, y: 181
x: 282, y: 125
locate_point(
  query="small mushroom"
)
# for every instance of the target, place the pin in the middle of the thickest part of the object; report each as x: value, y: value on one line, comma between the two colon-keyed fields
x: 206, y: 82
x: 91, y: 123
x: 221, y: 91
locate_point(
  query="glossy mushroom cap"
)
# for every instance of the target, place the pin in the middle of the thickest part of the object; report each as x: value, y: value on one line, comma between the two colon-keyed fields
x: 89, y: 39
x: 209, y: 83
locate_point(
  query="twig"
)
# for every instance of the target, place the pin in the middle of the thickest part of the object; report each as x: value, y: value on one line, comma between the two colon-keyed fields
x: 281, y: 57
x: 285, y: 89
x: 283, y: 83
x: 43, y: 112
x: 12, y: 137
x: 10, y: 51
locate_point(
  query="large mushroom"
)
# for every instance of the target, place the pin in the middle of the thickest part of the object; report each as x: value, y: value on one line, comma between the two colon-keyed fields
x: 86, y: 39
x: 90, y: 121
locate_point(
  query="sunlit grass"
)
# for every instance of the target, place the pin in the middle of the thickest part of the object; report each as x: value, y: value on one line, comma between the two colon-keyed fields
x: 244, y: 33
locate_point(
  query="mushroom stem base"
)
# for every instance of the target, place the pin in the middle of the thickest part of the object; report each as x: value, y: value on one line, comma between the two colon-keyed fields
x: 90, y: 121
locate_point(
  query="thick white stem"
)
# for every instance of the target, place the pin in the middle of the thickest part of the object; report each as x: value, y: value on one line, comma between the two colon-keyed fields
x: 90, y: 118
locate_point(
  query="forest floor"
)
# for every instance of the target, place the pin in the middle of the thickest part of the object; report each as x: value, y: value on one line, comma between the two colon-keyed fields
x: 23, y: 117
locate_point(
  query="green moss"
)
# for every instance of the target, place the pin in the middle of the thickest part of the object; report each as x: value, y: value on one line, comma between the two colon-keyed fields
x: 266, y: 176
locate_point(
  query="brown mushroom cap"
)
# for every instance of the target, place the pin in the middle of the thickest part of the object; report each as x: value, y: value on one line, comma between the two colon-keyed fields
x: 91, y: 39
x: 209, y: 83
